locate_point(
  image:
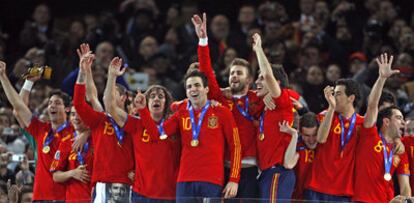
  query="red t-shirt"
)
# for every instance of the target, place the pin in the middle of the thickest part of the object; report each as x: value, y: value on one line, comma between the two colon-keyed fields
x: 204, y: 163
x: 112, y: 161
x: 247, y: 129
x: 370, y: 185
x: 409, y: 148
x: 332, y: 170
x: 156, y: 162
x: 271, y: 150
x: 302, y: 169
x: 66, y: 159
x: 44, y: 186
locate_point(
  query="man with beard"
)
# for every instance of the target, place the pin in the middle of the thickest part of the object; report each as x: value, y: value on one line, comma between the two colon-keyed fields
x: 47, y: 135
x: 244, y: 105
x: 376, y: 161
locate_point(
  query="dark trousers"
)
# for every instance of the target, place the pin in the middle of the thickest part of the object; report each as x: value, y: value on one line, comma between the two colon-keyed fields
x: 318, y: 197
x: 276, y: 183
x: 248, y: 185
x: 195, y: 192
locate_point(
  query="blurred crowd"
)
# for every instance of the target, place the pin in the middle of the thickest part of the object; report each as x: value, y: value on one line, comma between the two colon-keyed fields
x: 317, y: 42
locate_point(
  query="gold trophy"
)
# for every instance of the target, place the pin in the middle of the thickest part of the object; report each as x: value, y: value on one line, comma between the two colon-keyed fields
x: 44, y: 72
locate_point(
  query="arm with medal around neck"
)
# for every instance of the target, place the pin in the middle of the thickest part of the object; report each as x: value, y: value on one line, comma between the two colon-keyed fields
x: 114, y: 70
x: 385, y: 71
x: 265, y: 67
x: 291, y: 157
x: 326, y: 124
x: 203, y: 51
x: 20, y: 108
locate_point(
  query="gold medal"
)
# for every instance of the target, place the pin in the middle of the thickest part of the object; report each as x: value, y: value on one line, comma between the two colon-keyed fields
x: 194, y: 143
x: 387, y: 176
x: 163, y: 136
x: 46, y: 149
x: 261, y: 136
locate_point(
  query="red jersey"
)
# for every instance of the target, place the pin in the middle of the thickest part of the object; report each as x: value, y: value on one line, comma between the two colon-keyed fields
x: 271, y: 150
x: 333, y: 169
x: 247, y: 129
x: 302, y: 169
x: 156, y: 162
x: 370, y: 185
x: 112, y: 161
x: 409, y: 148
x: 67, y: 159
x: 44, y: 186
x: 205, y: 162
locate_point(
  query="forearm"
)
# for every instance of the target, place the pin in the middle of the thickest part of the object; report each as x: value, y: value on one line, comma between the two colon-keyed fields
x: 404, y: 183
x: 266, y: 71
x: 16, y: 101
x: 203, y: 52
x: 289, y: 159
x: 25, y: 91
x: 92, y: 93
x: 324, y: 128
x: 62, y: 176
x: 373, y: 100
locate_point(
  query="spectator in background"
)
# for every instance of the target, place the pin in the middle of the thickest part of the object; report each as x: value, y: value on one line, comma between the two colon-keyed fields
x: 37, y: 32
x: 313, y: 89
x: 333, y: 73
x: 220, y: 29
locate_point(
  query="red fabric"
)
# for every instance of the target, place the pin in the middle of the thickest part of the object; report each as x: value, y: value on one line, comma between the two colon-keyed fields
x: 156, y: 162
x: 271, y: 150
x: 44, y: 186
x: 409, y: 148
x: 65, y: 160
x: 112, y: 161
x: 302, y: 170
x: 332, y: 174
x: 205, y: 162
x: 370, y: 185
x: 247, y: 129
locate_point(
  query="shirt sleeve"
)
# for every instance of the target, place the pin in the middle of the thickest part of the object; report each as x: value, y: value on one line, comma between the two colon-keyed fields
x: 283, y: 101
x: 233, y: 144
x: 206, y: 68
x: 61, y: 158
x: 403, y: 167
x: 36, y: 127
x: 89, y: 116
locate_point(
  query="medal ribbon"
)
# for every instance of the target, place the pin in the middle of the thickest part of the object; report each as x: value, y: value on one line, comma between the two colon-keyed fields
x: 350, y: 129
x: 196, y: 128
x: 118, y: 131
x: 161, y: 128
x: 85, y: 150
x: 387, y: 157
x: 49, y: 137
x: 244, y: 112
x: 261, y: 123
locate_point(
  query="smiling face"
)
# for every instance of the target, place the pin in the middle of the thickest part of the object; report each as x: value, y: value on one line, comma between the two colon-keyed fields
x: 56, y: 109
x: 195, y: 90
x: 261, y: 86
x: 239, y: 79
x: 395, y: 124
x: 309, y: 136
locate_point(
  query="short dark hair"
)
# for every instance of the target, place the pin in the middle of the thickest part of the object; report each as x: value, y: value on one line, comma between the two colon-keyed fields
x: 196, y: 74
x: 385, y: 113
x: 351, y: 88
x: 244, y: 63
x: 168, y: 97
x: 65, y: 97
x: 121, y: 89
x: 386, y: 96
x: 280, y: 74
x: 308, y: 120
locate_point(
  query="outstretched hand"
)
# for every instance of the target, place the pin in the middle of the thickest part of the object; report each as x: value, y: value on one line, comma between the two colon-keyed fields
x: 140, y: 101
x: 257, y: 42
x: 115, y: 67
x: 86, y: 57
x: 200, y: 25
x: 384, y: 65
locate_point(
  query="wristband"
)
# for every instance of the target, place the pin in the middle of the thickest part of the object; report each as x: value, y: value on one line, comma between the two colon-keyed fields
x: 203, y: 41
x: 27, y: 85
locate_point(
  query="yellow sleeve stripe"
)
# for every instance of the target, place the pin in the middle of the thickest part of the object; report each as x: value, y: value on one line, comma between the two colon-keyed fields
x: 237, y: 154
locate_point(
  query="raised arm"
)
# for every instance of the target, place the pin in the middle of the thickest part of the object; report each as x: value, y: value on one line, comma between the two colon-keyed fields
x: 86, y: 66
x: 16, y: 101
x: 265, y: 67
x: 325, y: 127
x: 385, y: 71
x: 203, y: 51
x: 291, y: 157
x: 114, y: 70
